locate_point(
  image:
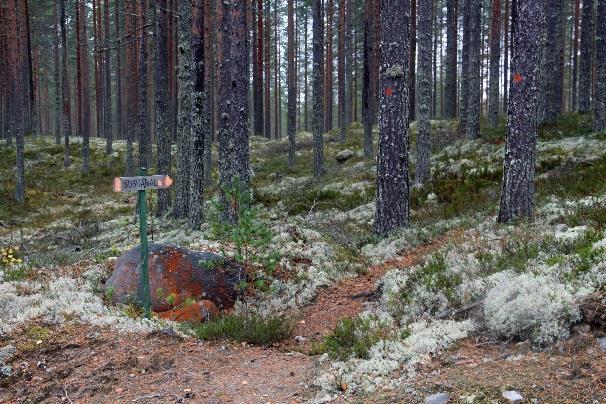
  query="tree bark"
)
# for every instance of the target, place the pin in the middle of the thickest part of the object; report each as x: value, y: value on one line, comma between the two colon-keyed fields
x: 424, y: 93
x: 393, y: 207
x: 474, y: 74
x: 83, y: 86
x: 495, y: 54
x: 348, y: 65
x: 341, y: 68
x: 233, y: 105
x: 517, y: 192
x: 143, y: 134
x: 412, y: 62
x: 209, y: 74
x: 199, y: 116
x: 292, y: 89
x: 184, y: 132
x: 65, y: 86
x: 118, y: 73
x: 450, y: 96
x: 276, y: 75
x: 163, y: 138
x: 599, y: 109
x: 552, y: 64
x: 587, y: 36
x: 506, y: 42
x: 109, y: 121
x: 318, y: 76
x: 258, y: 83
x: 464, y: 102
x: 328, y: 99
x: 575, y: 56
x: 57, y: 71
x: 267, y: 76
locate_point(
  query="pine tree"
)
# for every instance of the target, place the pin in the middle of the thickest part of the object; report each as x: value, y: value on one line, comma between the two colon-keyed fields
x: 520, y: 151
x: 495, y: 53
x: 65, y: 86
x: 107, y: 88
x: 292, y: 89
x: 424, y: 92
x: 198, y: 117
x: 599, y: 104
x: 586, y: 62
x: 118, y: 73
x: 393, y: 206
x: 450, y: 90
x: 552, y: 64
x: 318, y: 76
x: 184, y: 146
x: 232, y: 51
x: 57, y: 71
x: 329, y: 66
x: 162, y: 102
x: 575, y: 56
x: 464, y: 93
x: 474, y: 73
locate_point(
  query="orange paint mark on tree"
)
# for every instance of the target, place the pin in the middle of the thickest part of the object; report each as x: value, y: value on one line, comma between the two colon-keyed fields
x: 389, y: 91
x: 517, y: 78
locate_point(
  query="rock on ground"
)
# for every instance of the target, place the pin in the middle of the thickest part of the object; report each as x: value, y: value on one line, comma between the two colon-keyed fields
x: 176, y: 274
x: 513, y: 396
x: 439, y: 398
x: 344, y: 155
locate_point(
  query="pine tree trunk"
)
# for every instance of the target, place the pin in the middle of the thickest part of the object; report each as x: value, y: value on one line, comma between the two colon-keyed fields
x: 98, y: 63
x: 520, y: 151
x: 209, y: 74
x: 506, y: 41
x: 551, y: 68
x: 585, y: 73
x: 57, y: 72
x: 599, y: 104
x: 341, y: 68
x: 232, y: 51
x: 367, y: 89
x: 276, y: 75
x: 118, y: 73
x: 17, y: 63
x: 65, y: 86
x: 199, y: 116
x: 393, y: 207
x: 267, y: 76
x: 495, y: 54
x: 184, y: 131
x: 348, y: 65
x: 575, y: 56
x: 318, y: 76
x: 258, y: 83
x: 412, y: 61
x: 109, y: 121
x: 474, y: 74
x: 83, y: 83
x: 306, y: 74
x: 129, y: 17
x: 329, y: 66
x: 464, y: 93
x: 292, y: 88
x: 424, y: 93
x: 450, y: 96
x: 162, y: 102
x: 143, y: 134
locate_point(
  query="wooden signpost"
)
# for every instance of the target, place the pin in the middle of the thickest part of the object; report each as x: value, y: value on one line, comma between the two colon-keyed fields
x: 140, y: 184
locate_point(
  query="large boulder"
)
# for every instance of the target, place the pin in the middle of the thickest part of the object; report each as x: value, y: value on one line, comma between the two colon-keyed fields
x: 344, y: 155
x: 176, y: 274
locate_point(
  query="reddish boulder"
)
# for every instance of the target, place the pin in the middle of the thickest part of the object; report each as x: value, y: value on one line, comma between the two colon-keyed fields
x: 176, y: 274
x: 197, y: 312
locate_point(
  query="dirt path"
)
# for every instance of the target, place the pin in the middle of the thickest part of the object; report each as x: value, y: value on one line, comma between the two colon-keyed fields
x: 347, y: 297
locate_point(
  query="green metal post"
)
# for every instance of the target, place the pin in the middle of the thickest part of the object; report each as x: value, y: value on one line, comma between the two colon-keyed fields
x: 144, y: 249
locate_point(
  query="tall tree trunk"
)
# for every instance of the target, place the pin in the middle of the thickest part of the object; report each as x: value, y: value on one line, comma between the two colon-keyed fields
x: 474, y: 74
x: 118, y: 73
x: 341, y: 68
x: 292, y: 87
x: 575, y: 55
x: 450, y: 96
x: 517, y: 192
x: 424, y: 93
x: 109, y: 121
x: 199, y: 116
x: 57, y: 71
x: 552, y: 69
x: 130, y: 74
x: 599, y: 102
x: 318, y: 76
x: 276, y: 76
x: 232, y: 51
x: 412, y: 61
x: 306, y: 74
x: 65, y: 86
x: 98, y: 62
x: 464, y: 93
x: 437, y: 37
x: 330, y: 11
x: 495, y: 54
x: 267, y: 76
x: 369, y: 86
x: 83, y: 96
x: 163, y: 138
x: 348, y: 64
x: 143, y: 135
x: 184, y: 143
x: 17, y: 63
x: 506, y: 42
x: 209, y: 74
x: 587, y: 34
x: 258, y: 83
x: 393, y: 206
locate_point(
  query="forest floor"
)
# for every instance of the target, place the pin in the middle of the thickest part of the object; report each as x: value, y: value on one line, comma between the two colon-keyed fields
x: 72, y: 346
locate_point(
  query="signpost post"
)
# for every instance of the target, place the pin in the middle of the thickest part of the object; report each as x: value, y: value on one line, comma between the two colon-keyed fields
x: 140, y: 184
